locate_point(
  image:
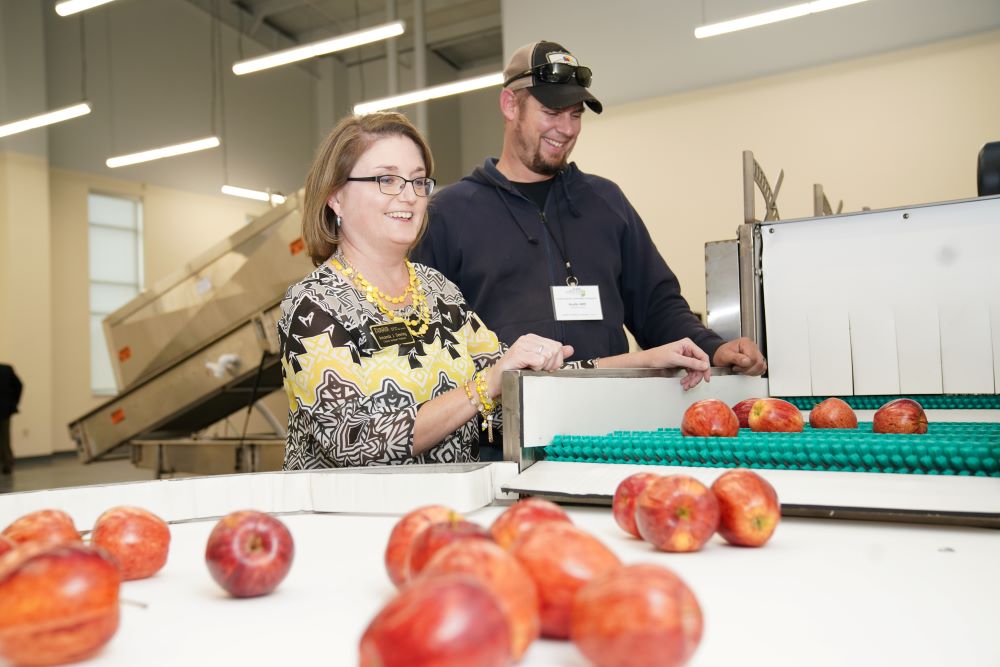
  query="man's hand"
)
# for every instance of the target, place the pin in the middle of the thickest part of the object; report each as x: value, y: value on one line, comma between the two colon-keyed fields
x: 742, y: 355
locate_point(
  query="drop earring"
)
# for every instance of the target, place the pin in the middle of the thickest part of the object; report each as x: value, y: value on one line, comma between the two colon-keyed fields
x: 339, y: 220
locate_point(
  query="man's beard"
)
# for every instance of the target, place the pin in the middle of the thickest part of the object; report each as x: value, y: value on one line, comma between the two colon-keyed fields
x: 532, y: 158
x: 540, y: 166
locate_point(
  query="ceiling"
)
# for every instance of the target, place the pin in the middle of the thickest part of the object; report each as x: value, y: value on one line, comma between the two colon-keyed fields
x: 648, y: 45
x: 464, y: 33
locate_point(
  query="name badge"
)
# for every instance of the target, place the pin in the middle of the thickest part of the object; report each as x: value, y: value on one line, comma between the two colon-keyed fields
x: 578, y: 302
x: 394, y: 333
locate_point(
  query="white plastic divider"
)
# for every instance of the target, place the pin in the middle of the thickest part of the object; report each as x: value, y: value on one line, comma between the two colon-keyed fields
x: 918, y: 286
x: 383, y: 490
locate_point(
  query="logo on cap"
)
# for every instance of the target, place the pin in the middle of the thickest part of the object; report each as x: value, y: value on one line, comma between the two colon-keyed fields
x: 560, y: 57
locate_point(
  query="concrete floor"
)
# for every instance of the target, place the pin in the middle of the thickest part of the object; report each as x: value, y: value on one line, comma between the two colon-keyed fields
x: 65, y: 469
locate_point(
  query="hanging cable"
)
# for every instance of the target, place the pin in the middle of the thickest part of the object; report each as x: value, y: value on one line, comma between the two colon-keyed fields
x: 239, y: 41
x: 83, y: 58
x: 111, y: 83
x: 360, y: 64
x: 220, y: 76
x: 211, y: 45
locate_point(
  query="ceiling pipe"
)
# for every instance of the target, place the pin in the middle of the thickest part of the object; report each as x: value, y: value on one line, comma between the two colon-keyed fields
x: 420, y: 64
x: 391, y: 51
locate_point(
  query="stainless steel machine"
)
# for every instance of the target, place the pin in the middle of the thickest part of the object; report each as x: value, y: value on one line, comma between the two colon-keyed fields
x: 197, y: 347
x: 867, y: 306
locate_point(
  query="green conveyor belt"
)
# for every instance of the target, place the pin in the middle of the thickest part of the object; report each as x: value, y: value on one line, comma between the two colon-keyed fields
x: 928, y: 401
x: 953, y: 448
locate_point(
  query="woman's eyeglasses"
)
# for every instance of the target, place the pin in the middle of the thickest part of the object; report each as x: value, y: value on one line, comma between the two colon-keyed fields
x: 390, y: 184
x: 556, y: 73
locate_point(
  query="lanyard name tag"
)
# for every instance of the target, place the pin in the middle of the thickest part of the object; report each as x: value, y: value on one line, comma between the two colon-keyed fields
x: 578, y: 302
x: 387, y: 335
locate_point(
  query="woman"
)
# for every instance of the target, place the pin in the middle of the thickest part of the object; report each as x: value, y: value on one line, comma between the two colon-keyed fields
x: 383, y: 362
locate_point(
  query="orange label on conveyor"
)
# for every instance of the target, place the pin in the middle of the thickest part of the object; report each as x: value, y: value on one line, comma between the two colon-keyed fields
x: 297, y: 246
x: 118, y: 416
x: 125, y: 354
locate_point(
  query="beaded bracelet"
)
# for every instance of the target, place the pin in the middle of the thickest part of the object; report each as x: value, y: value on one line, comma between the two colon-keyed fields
x: 487, y: 406
x: 481, y: 389
x: 468, y: 392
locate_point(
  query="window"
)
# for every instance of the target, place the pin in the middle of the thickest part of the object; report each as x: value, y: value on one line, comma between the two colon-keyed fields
x: 115, y: 236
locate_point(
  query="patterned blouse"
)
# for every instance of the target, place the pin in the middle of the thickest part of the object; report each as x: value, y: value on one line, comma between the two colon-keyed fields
x: 354, y: 403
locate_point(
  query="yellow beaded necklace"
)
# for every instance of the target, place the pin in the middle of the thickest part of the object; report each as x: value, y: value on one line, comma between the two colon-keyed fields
x: 418, y: 323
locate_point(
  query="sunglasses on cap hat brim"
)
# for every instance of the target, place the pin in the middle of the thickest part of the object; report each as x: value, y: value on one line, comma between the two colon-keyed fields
x: 555, y: 73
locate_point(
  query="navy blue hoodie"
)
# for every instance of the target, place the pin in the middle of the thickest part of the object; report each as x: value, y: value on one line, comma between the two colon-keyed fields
x: 490, y: 240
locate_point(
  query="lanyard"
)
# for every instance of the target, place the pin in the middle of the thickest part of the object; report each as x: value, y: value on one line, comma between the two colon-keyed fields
x: 571, y: 279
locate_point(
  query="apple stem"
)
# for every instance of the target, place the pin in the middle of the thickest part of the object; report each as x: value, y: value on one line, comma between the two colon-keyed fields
x: 134, y: 603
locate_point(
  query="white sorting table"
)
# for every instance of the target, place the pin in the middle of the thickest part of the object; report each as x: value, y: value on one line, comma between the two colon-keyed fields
x: 822, y: 592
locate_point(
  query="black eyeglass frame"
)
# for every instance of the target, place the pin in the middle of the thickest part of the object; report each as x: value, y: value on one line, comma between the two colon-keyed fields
x: 412, y: 181
x: 556, y: 73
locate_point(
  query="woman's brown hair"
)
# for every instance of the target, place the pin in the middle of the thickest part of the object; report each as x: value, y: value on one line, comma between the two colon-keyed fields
x: 334, y: 161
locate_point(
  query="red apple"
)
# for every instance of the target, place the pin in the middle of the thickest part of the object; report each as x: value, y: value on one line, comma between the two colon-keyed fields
x: 53, y: 526
x: 742, y: 410
x: 623, y: 504
x: 137, y: 540
x: 397, y: 550
x: 439, y: 535
x: 749, y: 508
x: 504, y: 576
x: 58, y: 603
x: 638, y: 616
x: 560, y: 559
x: 903, y: 415
x: 5, y: 545
x: 677, y: 513
x: 444, y: 621
x: 521, y: 516
x: 710, y: 417
x: 249, y: 553
x: 775, y: 415
x: 833, y: 413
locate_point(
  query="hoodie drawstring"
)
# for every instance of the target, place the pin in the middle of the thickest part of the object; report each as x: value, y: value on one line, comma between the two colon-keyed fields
x: 569, y: 200
x: 531, y: 239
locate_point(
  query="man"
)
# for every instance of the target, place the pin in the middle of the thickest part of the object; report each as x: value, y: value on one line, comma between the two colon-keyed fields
x: 537, y: 246
x: 10, y: 396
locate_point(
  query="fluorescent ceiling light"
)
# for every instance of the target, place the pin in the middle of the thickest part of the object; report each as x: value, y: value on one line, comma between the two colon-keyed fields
x: 773, y: 16
x: 463, y: 86
x: 259, y: 195
x: 47, y: 118
x: 320, y: 48
x: 166, y: 151
x: 68, y: 7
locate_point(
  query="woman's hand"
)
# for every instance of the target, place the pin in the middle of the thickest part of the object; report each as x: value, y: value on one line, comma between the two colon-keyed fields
x: 682, y: 354
x: 531, y: 352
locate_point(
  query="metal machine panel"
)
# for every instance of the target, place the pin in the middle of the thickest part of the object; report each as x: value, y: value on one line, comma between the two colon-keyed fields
x: 917, y: 287
x: 213, y: 457
x: 722, y: 288
x: 539, y: 405
x: 222, y: 288
x: 187, y: 396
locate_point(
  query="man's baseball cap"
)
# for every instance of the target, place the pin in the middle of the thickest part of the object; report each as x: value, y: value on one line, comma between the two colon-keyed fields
x: 552, y: 74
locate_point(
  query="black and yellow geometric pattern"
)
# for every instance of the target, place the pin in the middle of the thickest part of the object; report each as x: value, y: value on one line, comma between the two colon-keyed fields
x: 352, y: 403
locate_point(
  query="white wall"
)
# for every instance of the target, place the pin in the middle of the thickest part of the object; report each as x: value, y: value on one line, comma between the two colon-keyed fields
x: 482, y: 124
x: 884, y: 131
x: 26, y: 326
